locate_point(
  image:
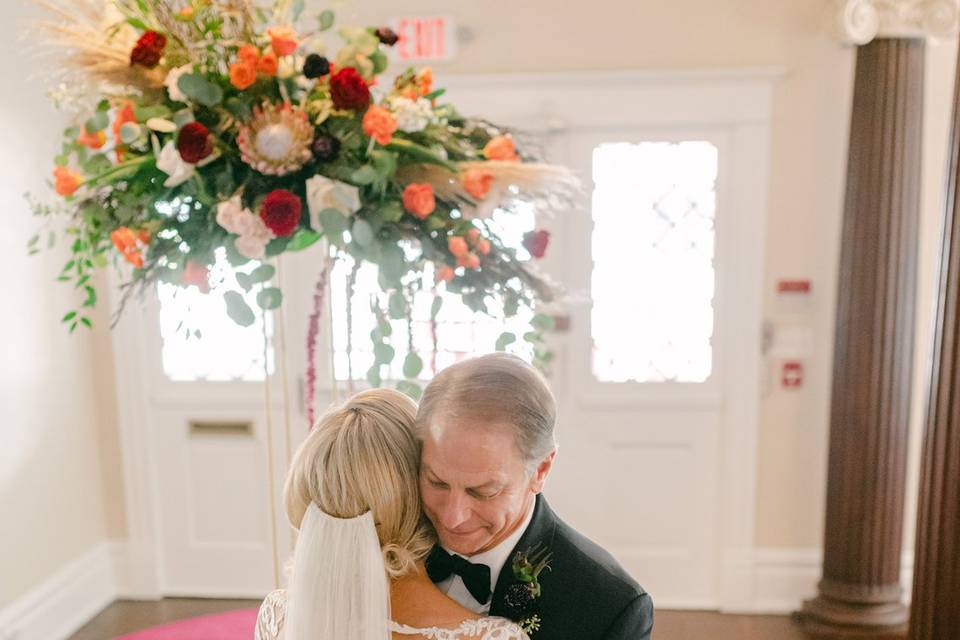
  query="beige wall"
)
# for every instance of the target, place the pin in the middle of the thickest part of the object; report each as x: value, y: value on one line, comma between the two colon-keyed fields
x: 58, y: 433
x: 811, y: 121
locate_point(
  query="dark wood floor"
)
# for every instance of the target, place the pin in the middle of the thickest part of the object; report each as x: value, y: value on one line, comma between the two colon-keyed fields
x: 126, y: 616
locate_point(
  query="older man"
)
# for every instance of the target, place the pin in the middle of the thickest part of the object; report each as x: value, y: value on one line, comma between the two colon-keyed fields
x: 487, y: 429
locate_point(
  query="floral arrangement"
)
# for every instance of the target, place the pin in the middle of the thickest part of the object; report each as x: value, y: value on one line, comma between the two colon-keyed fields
x: 209, y: 124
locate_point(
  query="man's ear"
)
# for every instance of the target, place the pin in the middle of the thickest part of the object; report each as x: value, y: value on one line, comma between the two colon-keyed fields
x: 542, y: 471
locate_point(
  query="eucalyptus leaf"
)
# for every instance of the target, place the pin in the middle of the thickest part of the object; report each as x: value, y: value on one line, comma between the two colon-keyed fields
x: 435, y: 307
x: 397, y: 306
x: 393, y: 263
x: 411, y: 389
x: 373, y: 376
x: 326, y: 20
x: 391, y: 211
x: 362, y: 232
x: 543, y: 322
x: 98, y: 122
x: 297, y: 9
x: 277, y: 246
x: 412, y: 365
x: 383, y: 353
x: 380, y: 62
x: 263, y: 273
x: 365, y: 175
x: 130, y: 132
x: 333, y: 223
x: 200, y: 89
x: 238, y: 310
x: 244, y: 281
x: 269, y: 298
x: 506, y: 338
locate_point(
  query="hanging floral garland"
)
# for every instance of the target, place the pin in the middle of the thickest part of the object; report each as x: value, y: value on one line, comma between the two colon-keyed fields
x: 221, y: 124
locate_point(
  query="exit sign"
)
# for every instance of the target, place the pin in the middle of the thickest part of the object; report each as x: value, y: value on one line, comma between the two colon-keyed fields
x: 425, y: 39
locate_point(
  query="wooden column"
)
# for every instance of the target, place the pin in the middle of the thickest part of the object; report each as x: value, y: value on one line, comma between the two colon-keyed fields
x: 935, y: 610
x: 860, y: 592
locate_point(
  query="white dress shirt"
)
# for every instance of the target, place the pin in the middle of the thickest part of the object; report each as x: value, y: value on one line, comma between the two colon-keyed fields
x: 495, y: 558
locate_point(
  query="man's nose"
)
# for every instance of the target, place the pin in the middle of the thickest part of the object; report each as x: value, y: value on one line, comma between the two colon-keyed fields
x: 455, y: 511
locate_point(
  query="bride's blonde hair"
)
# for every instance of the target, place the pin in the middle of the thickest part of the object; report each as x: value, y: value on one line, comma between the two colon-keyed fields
x: 363, y: 456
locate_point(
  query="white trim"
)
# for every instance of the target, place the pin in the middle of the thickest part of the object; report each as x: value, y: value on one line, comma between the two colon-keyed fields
x: 784, y: 578
x: 142, y: 565
x: 66, y: 601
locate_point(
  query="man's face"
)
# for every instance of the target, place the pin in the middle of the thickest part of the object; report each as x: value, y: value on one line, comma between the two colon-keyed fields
x: 475, y: 487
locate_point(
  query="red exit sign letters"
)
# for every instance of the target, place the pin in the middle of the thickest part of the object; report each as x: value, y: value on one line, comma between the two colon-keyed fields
x: 425, y: 39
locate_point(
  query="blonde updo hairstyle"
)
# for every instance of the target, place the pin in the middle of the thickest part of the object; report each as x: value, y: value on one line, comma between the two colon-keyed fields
x: 363, y: 456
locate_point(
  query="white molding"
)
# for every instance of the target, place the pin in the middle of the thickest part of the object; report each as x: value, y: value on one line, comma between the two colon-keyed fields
x: 65, y: 602
x: 142, y: 558
x: 861, y: 21
x: 784, y: 578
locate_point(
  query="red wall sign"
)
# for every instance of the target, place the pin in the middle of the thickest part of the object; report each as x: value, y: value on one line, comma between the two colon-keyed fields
x: 792, y: 374
x: 425, y: 39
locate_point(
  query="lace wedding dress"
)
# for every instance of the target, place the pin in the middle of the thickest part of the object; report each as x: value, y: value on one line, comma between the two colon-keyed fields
x: 273, y: 612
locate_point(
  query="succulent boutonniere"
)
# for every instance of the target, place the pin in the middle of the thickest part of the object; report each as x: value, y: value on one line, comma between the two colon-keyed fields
x: 522, y: 595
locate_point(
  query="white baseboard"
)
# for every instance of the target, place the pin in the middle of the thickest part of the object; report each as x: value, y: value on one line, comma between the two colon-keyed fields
x: 784, y: 578
x: 62, y: 604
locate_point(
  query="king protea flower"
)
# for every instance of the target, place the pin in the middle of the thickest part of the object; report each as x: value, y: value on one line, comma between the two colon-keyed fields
x: 276, y: 140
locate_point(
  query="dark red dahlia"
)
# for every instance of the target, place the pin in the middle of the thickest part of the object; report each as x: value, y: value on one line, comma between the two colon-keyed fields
x: 536, y: 242
x: 349, y: 90
x: 148, y: 50
x: 387, y: 36
x: 280, y: 211
x: 194, y: 142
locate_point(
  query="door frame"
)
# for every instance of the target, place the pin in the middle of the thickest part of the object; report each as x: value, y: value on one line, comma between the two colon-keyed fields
x: 738, y: 101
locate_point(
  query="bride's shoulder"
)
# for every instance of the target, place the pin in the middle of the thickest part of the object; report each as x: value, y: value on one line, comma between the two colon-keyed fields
x: 270, y: 618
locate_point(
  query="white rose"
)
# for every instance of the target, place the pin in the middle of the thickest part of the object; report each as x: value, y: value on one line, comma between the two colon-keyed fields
x: 324, y: 193
x: 233, y: 217
x: 170, y: 162
x: 412, y: 115
x: 172, y: 80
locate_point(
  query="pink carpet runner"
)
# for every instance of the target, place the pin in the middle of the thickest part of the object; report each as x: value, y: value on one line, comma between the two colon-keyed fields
x: 233, y: 625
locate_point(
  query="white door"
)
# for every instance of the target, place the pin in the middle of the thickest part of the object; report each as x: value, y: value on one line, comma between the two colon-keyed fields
x: 641, y: 387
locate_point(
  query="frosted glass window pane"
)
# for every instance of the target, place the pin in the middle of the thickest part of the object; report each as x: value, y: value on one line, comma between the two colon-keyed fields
x: 461, y: 333
x: 200, y: 342
x: 653, y: 277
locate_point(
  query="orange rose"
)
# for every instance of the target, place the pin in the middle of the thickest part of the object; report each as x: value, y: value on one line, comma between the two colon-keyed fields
x: 483, y: 247
x: 444, y: 273
x: 130, y: 244
x: 469, y: 261
x: 458, y: 246
x: 418, y: 200
x: 267, y: 65
x: 124, y: 115
x: 248, y: 53
x: 379, y: 124
x: 242, y: 74
x: 93, y: 140
x: 283, y: 40
x: 477, y: 182
x: 66, y: 181
x: 501, y: 148
x: 425, y: 80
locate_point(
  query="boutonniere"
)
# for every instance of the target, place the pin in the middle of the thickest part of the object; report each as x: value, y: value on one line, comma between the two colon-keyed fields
x: 522, y: 595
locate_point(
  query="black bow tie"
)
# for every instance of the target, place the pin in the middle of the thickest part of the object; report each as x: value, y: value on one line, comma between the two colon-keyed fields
x: 476, y: 577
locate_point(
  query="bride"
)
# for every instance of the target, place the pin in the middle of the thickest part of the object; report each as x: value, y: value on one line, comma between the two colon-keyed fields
x: 358, y: 568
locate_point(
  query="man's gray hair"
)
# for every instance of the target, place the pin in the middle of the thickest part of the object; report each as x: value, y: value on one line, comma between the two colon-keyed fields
x: 496, y: 389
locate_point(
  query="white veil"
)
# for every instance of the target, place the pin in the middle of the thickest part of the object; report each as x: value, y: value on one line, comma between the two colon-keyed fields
x: 338, y: 588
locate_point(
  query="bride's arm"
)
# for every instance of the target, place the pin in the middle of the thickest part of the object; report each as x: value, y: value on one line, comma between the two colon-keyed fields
x: 270, y: 619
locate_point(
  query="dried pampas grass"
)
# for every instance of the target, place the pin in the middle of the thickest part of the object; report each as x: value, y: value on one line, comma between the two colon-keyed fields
x: 551, y: 188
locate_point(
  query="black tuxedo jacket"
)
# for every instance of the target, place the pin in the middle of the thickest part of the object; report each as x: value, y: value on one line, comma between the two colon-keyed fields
x: 586, y: 594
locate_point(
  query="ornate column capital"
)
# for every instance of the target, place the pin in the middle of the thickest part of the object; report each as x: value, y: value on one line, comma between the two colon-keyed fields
x: 861, y: 21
